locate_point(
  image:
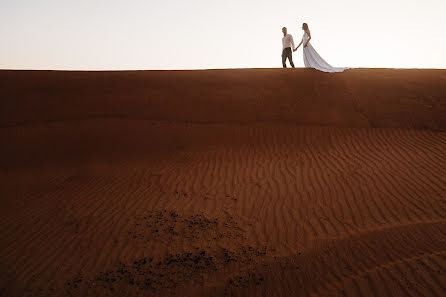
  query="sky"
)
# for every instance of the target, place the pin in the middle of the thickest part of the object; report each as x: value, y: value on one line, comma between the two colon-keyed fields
x: 209, y: 34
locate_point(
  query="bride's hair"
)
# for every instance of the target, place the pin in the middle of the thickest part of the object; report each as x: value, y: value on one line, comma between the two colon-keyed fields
x: 304, y: 26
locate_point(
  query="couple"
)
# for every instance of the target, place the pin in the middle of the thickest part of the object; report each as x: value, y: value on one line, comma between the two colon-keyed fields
x: 311, y: 57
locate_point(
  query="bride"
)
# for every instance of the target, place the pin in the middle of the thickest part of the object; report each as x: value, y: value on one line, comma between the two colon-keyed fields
x: 311, y: 57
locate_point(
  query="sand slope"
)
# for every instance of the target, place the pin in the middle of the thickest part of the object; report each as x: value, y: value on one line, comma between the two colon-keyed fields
x: 258, y: 182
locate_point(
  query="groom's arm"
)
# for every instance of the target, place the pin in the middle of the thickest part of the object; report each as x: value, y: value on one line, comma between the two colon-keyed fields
x: 292, y: 41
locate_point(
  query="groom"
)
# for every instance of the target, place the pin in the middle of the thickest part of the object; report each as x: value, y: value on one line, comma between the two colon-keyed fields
x: 287, y: 48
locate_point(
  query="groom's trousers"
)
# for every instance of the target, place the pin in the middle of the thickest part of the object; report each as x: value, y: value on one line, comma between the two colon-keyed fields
x: 287, y: 53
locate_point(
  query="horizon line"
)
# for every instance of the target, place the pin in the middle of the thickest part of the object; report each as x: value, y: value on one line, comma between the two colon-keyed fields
x: 206, y: 69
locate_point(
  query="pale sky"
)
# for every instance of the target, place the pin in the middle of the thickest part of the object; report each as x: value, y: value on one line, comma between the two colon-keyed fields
x: 202, y: 34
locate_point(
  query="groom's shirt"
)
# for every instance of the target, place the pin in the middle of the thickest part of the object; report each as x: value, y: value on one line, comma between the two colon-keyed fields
x: 287, y: 41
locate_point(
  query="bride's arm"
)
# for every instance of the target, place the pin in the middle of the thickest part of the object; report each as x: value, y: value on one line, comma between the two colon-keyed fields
x: 309, y: 37
x: 298, y: 45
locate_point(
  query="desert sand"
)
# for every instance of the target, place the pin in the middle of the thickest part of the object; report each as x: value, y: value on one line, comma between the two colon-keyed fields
x: 249, y: 182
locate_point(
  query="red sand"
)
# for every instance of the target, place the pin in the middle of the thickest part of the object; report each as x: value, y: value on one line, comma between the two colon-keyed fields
x: 264, y: 182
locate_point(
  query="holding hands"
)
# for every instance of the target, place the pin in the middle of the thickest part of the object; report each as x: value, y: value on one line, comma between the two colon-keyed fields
x: 305, y: 45
x: 298, y: 46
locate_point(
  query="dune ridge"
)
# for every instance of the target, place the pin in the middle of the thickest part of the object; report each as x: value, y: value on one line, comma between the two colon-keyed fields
x: 254, y: 182
x: 357, y: 98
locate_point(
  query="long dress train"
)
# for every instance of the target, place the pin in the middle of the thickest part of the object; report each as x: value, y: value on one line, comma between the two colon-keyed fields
x: 313, y: 60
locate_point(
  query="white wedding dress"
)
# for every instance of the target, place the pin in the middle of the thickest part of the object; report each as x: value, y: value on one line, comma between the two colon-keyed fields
x: 313, y: 60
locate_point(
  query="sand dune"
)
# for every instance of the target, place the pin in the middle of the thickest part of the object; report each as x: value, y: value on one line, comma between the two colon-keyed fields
x: 262, y: 182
